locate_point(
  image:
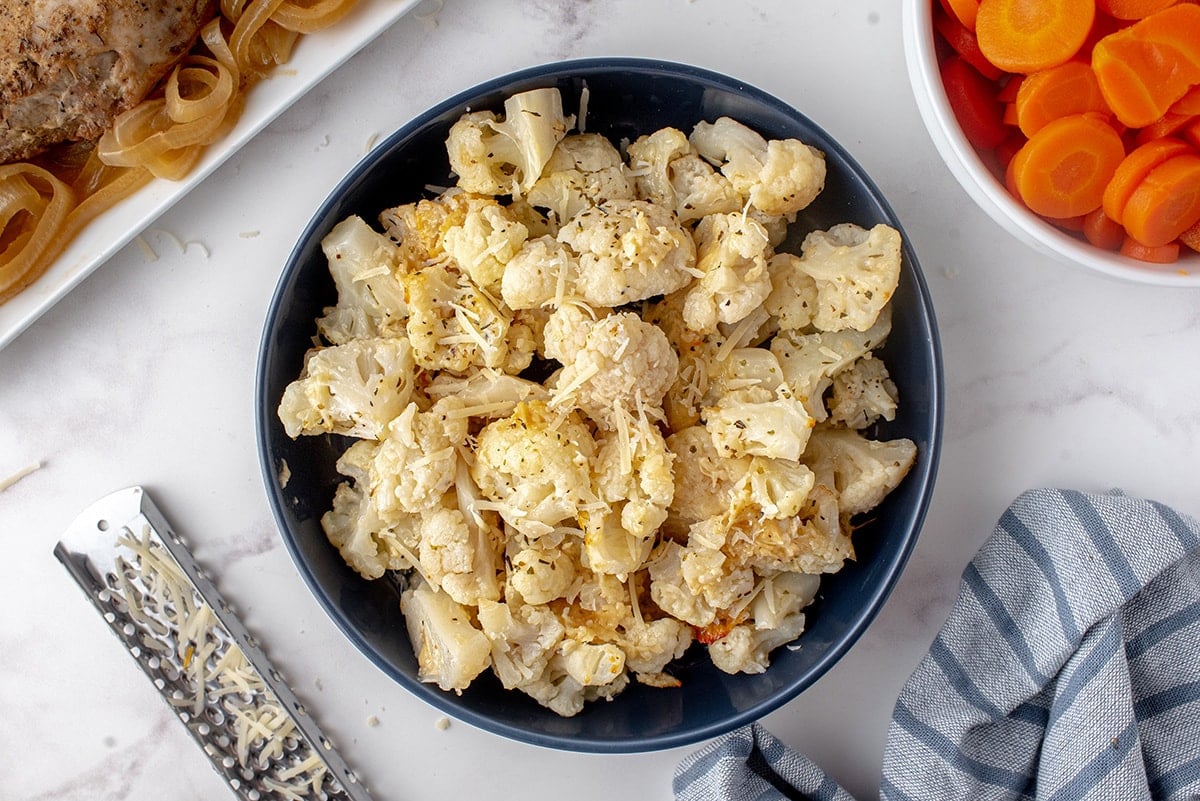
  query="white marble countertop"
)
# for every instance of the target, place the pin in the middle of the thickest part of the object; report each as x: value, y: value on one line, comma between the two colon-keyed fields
x: 144, y: 375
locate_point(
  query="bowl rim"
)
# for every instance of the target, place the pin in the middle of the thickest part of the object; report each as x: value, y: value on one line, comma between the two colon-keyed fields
x: 988, y: 192
x: 924, y: 473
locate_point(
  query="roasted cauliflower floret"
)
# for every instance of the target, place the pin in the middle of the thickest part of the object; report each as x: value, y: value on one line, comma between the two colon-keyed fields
x: 535, y: 466
x: 811, y: 361
x: 732, y: 252
x: 451, y: 652
x: 624, y: 363
x: 856, y: 272
x: 367, y: 542
x: 705, y: 480
x: 524, y: 638
x: 417, y: 228
x: 793, y: 298
x: 862, y: 395
x: 864, y: 470
x: 484, y: 242
x: 353, y: 389
x: 416, y: 462
x: 650, y: 158
x: 700, y: 190
x: 540, y: 574
x: 454, y: 326
x: 505, y: 155
x: 566, y: 331
x: 483, y: 393
x: 633, y: 474
x: 628, y: 250
x: 650, y: 645
x: 757, y: 422
x: 779, y: 177
x: 542, y: 272
x: 585, y: 170
x: 633, y: 479
x: 777, y: 618
x: 670, y: 590
x: 364, y: 265
x: 561, y: 692
x: 459, y: 557
x: 778, y: 488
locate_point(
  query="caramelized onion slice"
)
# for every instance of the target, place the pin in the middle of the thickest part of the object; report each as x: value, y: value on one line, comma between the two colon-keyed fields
x: 33, y: 205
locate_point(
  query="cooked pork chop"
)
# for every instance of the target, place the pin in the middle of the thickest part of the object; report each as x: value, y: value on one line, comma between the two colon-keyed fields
x: 69, y: 67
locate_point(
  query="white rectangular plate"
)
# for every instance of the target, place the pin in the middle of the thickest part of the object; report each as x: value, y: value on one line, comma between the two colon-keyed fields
x: 315, y: 57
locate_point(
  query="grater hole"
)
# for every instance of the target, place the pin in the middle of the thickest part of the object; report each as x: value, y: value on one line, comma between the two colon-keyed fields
x: 102, y: 524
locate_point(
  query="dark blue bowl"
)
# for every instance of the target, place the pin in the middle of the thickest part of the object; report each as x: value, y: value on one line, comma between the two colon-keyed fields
x: 627, y: 98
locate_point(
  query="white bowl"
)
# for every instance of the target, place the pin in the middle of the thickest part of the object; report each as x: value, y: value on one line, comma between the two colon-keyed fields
x: 987, y: 189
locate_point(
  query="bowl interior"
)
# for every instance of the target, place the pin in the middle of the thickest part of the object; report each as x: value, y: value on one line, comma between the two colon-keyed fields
x: 627, y: 98
x: 984, y: 182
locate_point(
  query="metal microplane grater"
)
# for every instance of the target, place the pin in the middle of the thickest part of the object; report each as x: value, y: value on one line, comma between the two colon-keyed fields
x: 167, y: 612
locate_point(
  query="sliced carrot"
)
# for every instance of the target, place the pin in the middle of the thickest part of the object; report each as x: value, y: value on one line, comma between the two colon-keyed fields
x: 1046, y: 95
x: 1191, y: 132
x: 1146, y: 68
x: 1191, y: 237
x: 1169, y: 124
x: 963, y: 41
x: 1063, y: 169
x: 1133, y: 169
x: 1010, y: 179
x: 1160, y: 254
x: 1166, y: 203
x: 973, y: 100
x: 964, y: 11
x: 1010, y: 115
x: 1103, y: 231
x: 1132, y: 9
x: 1177, y: 26
x: 1029, y: 35
x: 1188, y: 104
x: 1008, y: 91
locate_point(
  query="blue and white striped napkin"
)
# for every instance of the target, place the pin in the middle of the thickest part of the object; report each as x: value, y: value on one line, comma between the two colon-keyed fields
x: 1069, y: 668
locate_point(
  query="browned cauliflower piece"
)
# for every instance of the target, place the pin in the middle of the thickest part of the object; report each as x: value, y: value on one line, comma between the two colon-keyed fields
x: 535, y: 466
x: 856, y: 272
x: 732, y: 252
x: 624, y: 368
x: 628, y: 250
x: 779, y: 177
x: 585, y: 170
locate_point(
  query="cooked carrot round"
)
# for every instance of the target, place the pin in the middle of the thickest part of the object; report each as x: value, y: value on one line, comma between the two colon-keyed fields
x: 1133, y: 169
x: 1063, y: 168
x: 1160, y: 254
x: 1166, y: 203
x: 1191, y: 237
x: 1103, y: 231
x: 1029, y: 35
x: 1046, y: 95
x: 1146, y: 68
x: 1132, y: 9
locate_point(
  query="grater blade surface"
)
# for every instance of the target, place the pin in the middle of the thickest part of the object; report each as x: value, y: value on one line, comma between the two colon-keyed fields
x: 163, y: 606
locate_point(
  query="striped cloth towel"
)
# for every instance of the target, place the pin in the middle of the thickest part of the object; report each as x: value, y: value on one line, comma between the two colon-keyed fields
x: 1069, y: 668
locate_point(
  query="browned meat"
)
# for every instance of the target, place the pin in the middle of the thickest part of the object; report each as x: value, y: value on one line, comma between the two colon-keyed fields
x: 69, y: 67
